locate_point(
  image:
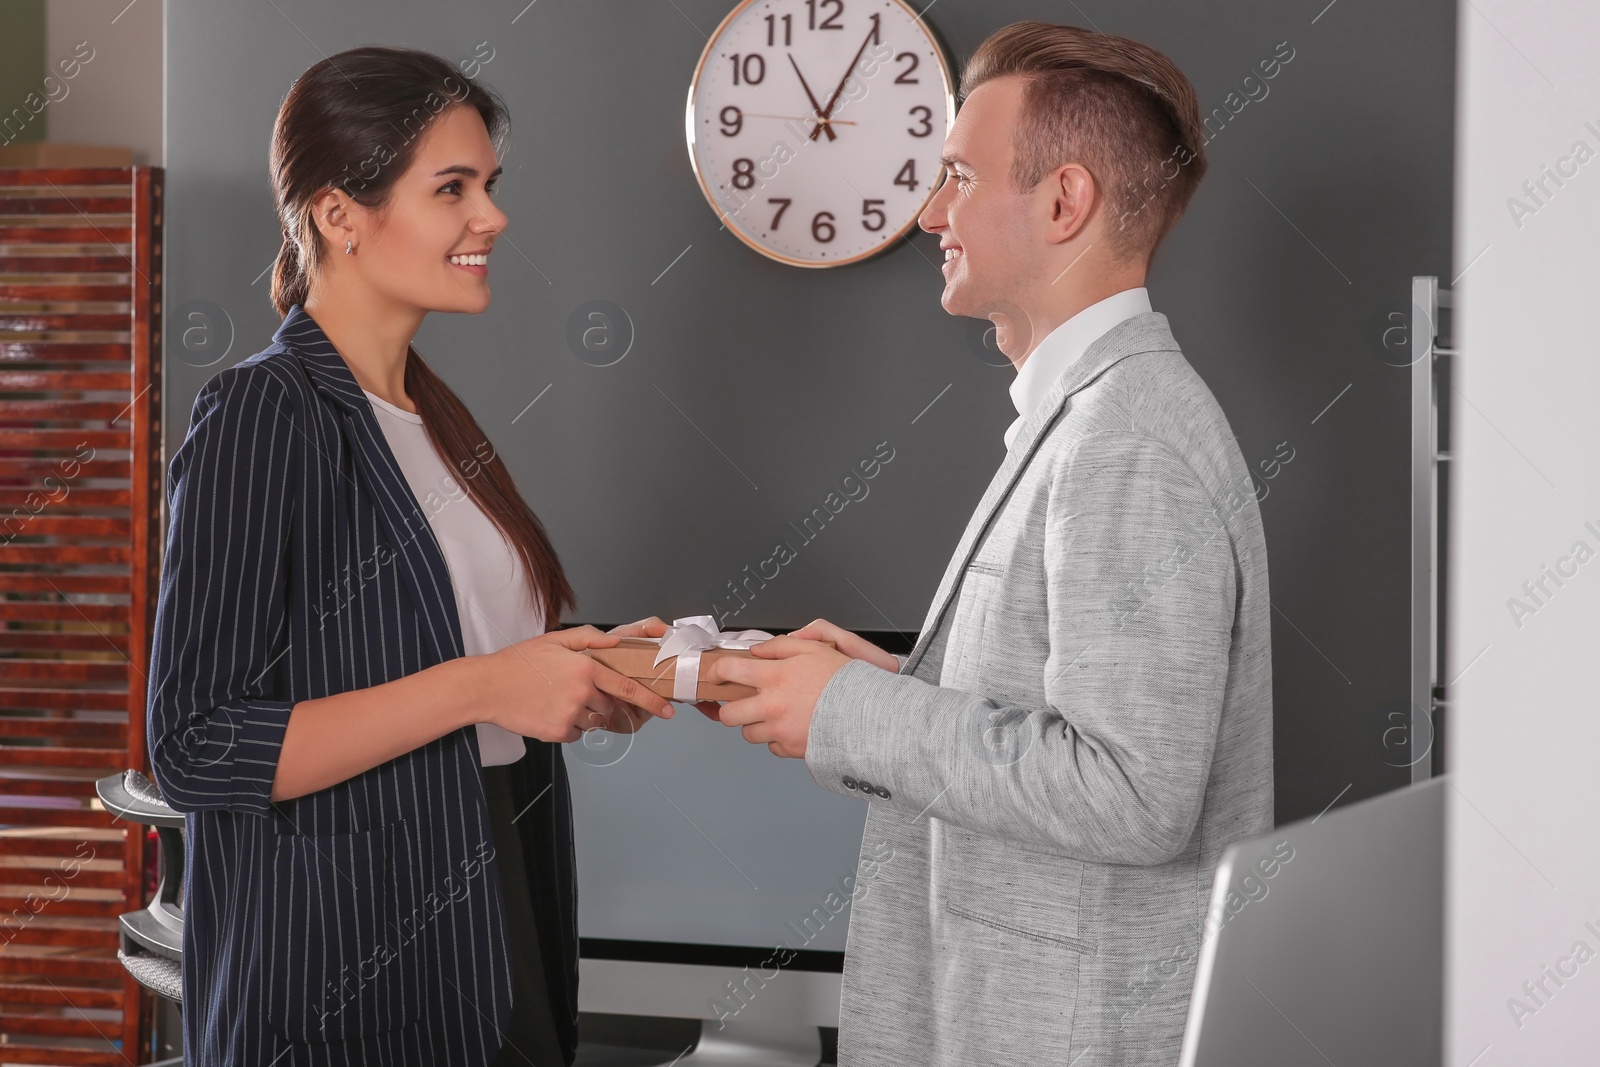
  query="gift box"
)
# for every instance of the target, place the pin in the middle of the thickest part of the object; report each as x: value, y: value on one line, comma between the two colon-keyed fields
x: 635, y: 657
x: 671, y: 664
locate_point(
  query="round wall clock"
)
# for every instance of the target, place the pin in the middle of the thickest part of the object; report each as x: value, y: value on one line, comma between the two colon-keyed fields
x: 815, y: 127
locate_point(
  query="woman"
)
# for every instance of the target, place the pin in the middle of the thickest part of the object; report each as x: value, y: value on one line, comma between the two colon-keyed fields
x: 370, y: 881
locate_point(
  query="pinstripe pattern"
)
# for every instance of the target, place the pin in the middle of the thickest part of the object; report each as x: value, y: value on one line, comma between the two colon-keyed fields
x: 363, y: 923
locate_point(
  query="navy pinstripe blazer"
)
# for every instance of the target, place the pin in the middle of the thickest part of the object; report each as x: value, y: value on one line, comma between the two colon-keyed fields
x: 363, y: 923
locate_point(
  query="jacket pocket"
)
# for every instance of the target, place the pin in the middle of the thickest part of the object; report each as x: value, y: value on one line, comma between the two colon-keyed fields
x: 339, y: 963
x: 969, y: 622
x: 994, y: 882
x: 996, y: 922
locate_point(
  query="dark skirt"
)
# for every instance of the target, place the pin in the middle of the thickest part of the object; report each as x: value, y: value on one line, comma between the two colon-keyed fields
x: 532, y: 1040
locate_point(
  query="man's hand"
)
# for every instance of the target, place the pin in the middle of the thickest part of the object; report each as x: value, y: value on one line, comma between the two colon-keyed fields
x: 789, y: 674
x: 850, y: 644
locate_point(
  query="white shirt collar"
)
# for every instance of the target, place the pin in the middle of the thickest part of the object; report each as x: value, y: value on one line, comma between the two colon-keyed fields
x: 1062, y: 347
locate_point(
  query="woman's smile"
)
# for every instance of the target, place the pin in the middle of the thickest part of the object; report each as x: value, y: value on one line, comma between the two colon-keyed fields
x: 472, y: 262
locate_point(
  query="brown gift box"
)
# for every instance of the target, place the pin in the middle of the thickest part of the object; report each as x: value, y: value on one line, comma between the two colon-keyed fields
x: 635, y: 657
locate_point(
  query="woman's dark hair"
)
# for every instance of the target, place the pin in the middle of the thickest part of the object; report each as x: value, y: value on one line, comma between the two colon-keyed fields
x: 353, y: 121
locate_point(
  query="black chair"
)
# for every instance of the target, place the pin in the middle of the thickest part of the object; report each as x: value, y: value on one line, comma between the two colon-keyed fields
x: 151, y: 939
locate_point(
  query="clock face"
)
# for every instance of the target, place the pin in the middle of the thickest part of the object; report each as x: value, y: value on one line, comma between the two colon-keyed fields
x: 815, y: 127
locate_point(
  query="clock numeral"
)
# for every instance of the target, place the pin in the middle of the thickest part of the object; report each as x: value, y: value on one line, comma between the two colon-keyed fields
x: 927, y: 122
x: 788, y: 29
x: 737, y: 121
x: 752, y: 70
x: 904, y: 77
x: 868, y: 209
x: 744, y: 175
x: 783, y: 203
x: 875, y: 28
x: 908, y: 175
x: 832, y: 21
x: 822, y: 227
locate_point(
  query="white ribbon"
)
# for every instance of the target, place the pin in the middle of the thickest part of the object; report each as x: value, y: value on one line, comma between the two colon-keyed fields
x: 691, y: 635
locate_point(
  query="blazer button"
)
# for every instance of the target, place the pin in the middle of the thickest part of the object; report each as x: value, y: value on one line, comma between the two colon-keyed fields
x: 849, y: 782
x: 866, y: 786
x: 882, y: 792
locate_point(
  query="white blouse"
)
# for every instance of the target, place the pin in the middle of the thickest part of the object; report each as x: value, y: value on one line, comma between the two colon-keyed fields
x: 491, y: 588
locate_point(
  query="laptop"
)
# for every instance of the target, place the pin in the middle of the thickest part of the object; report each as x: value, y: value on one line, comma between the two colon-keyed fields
x: 1324, y: 941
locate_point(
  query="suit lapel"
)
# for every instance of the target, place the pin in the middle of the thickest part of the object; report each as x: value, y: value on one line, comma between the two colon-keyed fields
x: 417, y: 555
x: 1146, y: 332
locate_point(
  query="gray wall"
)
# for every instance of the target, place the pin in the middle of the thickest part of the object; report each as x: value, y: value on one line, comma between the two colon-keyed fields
x: 116, y: 98
x: 1325, y: 195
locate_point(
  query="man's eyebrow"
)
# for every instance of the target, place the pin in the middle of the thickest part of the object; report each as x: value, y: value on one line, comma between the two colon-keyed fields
x: 953, y: 160
x: 470, y: 172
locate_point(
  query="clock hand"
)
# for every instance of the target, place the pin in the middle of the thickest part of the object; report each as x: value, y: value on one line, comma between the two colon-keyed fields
x: 822, y: 122
x: 797, y: 118
x: 827, y: 112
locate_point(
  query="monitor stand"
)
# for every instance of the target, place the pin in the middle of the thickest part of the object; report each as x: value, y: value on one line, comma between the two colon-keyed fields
x: 770, y: 1043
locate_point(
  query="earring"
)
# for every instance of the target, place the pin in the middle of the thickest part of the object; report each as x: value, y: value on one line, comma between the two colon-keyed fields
x: 347, y: 247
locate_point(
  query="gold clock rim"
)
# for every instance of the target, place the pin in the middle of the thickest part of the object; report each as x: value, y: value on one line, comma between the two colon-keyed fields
x: 705, y: 190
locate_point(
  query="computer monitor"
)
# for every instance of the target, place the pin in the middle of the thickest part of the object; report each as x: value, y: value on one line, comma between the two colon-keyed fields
x: 715, y: 882
x: 1324, y: 941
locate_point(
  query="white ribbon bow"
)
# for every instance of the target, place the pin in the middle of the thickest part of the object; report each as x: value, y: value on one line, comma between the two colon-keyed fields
x: 691, y: 635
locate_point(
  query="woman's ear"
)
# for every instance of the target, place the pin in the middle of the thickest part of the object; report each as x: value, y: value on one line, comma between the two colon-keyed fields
x: 332, y: 213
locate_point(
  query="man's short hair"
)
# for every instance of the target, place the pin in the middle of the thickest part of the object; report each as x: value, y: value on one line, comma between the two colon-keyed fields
x: 1121, y: 109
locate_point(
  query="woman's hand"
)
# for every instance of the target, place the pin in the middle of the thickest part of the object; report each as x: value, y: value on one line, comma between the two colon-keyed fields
x: 547, y: 689
x: 850, y: 644
x: 651, y: 627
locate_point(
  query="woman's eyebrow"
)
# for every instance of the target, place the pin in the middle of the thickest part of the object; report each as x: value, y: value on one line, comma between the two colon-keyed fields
x: 465, y: 170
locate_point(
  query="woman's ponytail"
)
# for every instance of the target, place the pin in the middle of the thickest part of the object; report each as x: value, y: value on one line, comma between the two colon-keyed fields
x: 289, y: 281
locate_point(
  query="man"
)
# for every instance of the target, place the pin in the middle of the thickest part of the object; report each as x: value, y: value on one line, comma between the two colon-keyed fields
x: 1086, y: 719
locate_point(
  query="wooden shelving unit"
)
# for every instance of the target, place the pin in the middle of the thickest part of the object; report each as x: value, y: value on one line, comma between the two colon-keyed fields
x: 80, y: 538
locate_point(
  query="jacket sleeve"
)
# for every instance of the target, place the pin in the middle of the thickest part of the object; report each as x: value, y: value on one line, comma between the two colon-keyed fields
x: 1112, y: 767
x: 221, y: 627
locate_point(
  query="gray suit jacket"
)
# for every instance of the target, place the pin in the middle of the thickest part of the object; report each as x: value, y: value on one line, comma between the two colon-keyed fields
x: 1084, y: 724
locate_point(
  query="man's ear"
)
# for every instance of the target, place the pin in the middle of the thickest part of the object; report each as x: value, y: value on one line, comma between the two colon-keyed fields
x: 332, y: 213
x: 1073, y: 194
